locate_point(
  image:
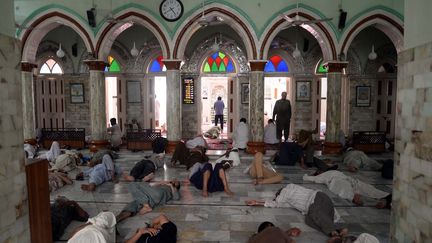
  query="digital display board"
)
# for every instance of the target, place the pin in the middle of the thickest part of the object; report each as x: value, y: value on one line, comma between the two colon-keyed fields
x: 188, y: 91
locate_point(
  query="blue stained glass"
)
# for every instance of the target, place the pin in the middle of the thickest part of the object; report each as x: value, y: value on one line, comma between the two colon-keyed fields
x: 215, y: 55
x: 230, y: 67
x: 106, y: 69
x: 282, y: 67
x: 269, y: 67
x: 155, y: 67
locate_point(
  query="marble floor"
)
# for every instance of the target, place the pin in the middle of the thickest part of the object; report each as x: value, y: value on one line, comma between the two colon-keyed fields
x: 221, y: 218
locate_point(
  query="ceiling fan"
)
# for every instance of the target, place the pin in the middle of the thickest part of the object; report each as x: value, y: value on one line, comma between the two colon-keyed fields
x: 205, y: 21
x: 296, y: 21
x: 110, y: 17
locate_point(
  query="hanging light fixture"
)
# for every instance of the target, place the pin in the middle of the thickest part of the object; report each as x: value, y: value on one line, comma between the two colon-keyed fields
x: 60, y: 53
x: 296, y: 52
x: 372, y: 55
x: 215, y: 45
x: 134, y: 51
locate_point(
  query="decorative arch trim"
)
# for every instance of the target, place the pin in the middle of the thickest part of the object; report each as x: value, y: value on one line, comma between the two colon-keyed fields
x: 332, y: 54
x: 112, y: 28
x: 233, y: 16
x: 368, y: 21
x: 50, y: 19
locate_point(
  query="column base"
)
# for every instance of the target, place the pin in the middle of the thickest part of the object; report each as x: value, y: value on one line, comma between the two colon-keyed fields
x: 96, y: 145
x: 31, y: 141
x: 254, y: 147
x: 332, y: 148
x: 171, y: 146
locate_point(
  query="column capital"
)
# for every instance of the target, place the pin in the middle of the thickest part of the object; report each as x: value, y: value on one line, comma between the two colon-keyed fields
x: 336, y: 66
x: 96, y: 65
x: 27, y: 66
x: 172, y: 64
x: 257, y: 65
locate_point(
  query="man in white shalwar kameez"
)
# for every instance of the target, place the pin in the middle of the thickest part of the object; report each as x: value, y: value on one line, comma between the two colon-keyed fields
x: 53, y: 153
x: 346, y: 187
x: 99, y: 229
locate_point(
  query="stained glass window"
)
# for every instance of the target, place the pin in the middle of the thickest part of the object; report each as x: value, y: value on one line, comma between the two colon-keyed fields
x: 321, y: 68
x: 51, y: 67
x: 157, y: 65
x: 218, y: 62
x: 276, y: 64
x: 114, y: 65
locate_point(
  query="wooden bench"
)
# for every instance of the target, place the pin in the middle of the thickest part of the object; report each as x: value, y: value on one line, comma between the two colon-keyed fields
x: 73, y: 137
x: 369, y: 142
x: 141, y: 139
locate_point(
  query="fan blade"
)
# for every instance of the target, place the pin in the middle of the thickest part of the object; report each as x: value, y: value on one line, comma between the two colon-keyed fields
x: 287, y: 18
x: 288, y: 25
x: 316, y: 21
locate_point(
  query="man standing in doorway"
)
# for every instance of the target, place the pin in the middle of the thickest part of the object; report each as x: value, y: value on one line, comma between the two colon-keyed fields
x: 282, y: 113
x: 219, y: 107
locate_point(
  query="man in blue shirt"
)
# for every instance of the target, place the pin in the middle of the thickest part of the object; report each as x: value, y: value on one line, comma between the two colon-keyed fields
x: 219, y: 107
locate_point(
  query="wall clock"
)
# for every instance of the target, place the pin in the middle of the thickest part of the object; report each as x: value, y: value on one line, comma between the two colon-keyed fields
x: 171, y: 10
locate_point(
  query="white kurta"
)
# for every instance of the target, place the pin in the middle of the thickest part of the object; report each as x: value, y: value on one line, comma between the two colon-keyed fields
x: 270, y: 134
x: 240, y: 136
x: 101, y: 230
x: 366, y: 238
x: 360, y: 160
x: 197, y: 141
x: 53, y: 153
x: 345, y: 186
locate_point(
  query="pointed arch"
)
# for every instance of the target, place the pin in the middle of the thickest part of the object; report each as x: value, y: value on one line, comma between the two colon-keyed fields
x: 384, y: 21
x: 129, y: 18
x: 234, y: 19
x: 321, y: 33
x: 44, y: 24
x: 276, y: 63
x: 51, y: 66
x: 156, y: 65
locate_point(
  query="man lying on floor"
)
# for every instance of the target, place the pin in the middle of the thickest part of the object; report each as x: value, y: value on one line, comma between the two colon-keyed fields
x: 99, y: 229
x: 357, y: 160
x: 210, y: 177
x: 347, y: 187
x: 63, y: 211
x: 268, y: 232
x: 146, y: 197
x: 317, y: 206
x: 145, y: 169
x: 100, y: 173
x: 162, y: 230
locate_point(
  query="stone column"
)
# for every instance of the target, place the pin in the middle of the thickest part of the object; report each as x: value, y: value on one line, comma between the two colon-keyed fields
x: 256, y: 107
x: 333, y: 121
x: 28, y: 102
x: 14, y: 226
x: 97, y: 104
x: 174, y: 107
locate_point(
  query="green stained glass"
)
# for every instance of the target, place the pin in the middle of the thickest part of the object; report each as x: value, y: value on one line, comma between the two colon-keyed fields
x: 207, y: 67
x: 221, y: 55
x: 214, y: 67
x: 115, y: 66
x: 222, y: 67
x: 321, y: 68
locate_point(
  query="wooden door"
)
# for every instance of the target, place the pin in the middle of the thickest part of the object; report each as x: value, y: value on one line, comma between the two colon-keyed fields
x: 50, y: 102
x: 385, y: 107
x: 121, y: 103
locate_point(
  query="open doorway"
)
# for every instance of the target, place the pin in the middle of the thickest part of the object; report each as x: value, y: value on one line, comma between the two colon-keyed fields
x: 160, y: 91
x: 323, y: 107
x: 273, y: 88
x: 211, y: 89
x: 111, y: 99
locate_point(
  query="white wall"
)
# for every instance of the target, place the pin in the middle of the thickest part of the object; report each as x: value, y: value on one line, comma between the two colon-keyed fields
x: 417, y: 23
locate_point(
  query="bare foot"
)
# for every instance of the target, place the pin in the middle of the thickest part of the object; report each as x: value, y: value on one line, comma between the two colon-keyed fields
x: 205, y: 194
x: 357, y: 200
x: 229, y: 193
x: 88, y: 187
x: 145, y: 209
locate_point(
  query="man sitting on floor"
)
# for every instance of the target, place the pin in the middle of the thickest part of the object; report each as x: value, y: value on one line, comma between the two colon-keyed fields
x: 240, y: 135
x: 99, y: 229
x: 145, y: 169
x: 267, y: 232
x: 347, y: 187
x: 317, y: 206
x: 146, y: 197
x: 63, y: 211
x: 270, y: 133
x: 162, y: 230
x: 100, y: 173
